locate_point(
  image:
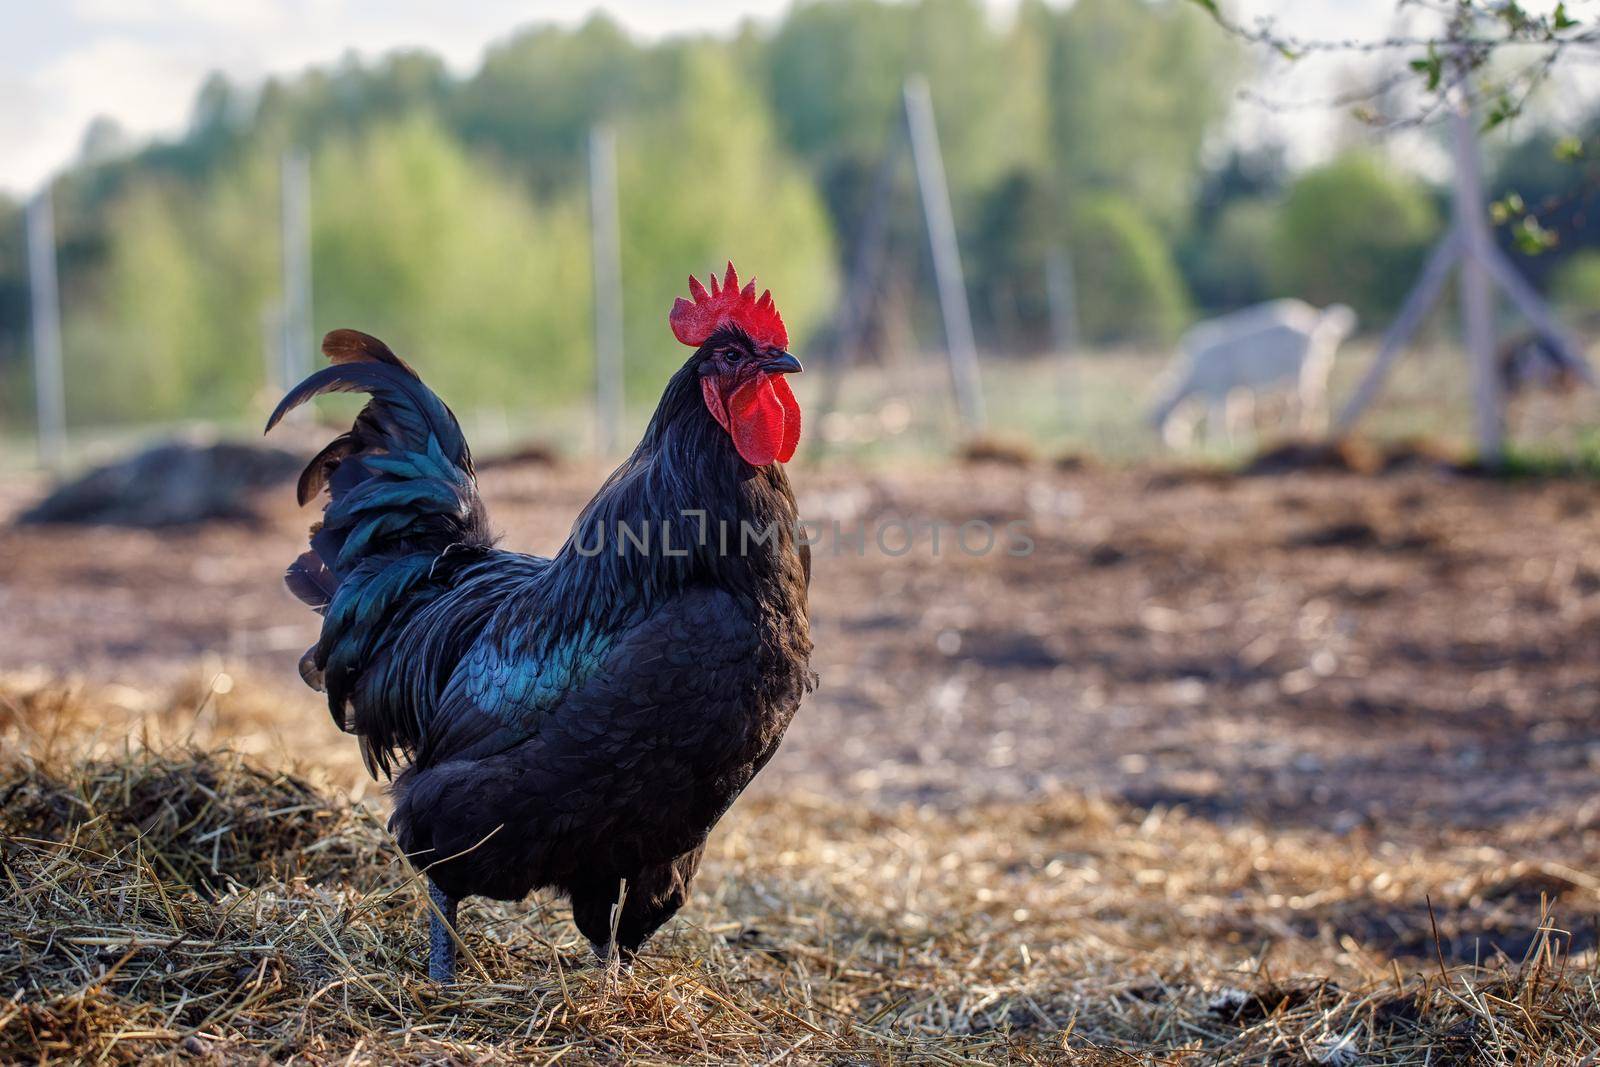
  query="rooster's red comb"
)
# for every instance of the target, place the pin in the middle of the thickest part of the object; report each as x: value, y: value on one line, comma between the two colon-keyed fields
x: 693, y: 322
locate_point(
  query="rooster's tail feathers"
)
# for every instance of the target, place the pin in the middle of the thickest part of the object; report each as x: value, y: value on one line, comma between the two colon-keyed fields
x: 401, y: 491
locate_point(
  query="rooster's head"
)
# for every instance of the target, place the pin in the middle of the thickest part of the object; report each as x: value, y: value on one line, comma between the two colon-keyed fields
x: 741, y: 355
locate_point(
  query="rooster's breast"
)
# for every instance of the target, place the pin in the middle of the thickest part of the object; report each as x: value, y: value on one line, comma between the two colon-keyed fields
x: 632, y: 766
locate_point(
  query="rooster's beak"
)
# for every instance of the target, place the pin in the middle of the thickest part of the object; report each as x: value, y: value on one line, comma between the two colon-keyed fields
x: 782, y: 363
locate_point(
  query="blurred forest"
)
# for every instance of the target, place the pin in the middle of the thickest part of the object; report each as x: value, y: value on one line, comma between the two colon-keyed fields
x: 450, y: 213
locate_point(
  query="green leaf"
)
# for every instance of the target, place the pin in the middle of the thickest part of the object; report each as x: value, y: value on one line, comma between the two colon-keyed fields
x: 1569, y: 149
x: 1561, y: 20
x: 1531, y: 238
x: 1507, y: 208
x: 1502, y: 109
x: 1513, y: 16
x: 1432, y: 66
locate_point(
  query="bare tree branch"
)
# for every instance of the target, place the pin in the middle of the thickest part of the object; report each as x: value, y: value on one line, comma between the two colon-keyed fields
x: 1442, y: 65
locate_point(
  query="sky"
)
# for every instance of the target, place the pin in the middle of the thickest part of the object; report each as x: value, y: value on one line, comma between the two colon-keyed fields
x: 140, y: 62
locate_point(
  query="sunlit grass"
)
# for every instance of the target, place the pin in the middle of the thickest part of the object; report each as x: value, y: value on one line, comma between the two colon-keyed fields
x: 1091, y: 403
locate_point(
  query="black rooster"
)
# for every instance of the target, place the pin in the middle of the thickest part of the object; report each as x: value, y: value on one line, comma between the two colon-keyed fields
x: 579, y: 722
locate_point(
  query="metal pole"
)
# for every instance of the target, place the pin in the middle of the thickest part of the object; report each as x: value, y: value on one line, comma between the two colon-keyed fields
x: 946, y: 253
x: 49, y: 387
x: 297, y: 340
x: 1062, y: 292
x: 606, y: 243
x: 1477, y: 307
x: 1418, y: 301
x: 1536, y: 311
x: 862, y: 284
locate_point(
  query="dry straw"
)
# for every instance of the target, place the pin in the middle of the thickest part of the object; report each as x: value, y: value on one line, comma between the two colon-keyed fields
x: 189, y: 905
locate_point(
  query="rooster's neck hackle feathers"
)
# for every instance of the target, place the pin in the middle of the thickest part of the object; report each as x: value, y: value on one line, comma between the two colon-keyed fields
x: 690, y: 497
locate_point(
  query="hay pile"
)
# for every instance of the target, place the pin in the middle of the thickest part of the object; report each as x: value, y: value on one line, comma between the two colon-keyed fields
x: 191, y: 906
x: 171, y: 483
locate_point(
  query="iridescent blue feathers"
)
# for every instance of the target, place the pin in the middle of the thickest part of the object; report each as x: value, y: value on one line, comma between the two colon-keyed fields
x: 401, y: 497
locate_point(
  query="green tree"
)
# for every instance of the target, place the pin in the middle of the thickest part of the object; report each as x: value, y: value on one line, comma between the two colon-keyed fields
x: 834, y: 72
x: 176, y: 331
x: 451, y: 215
x: 536, y: 96
x: 429, y: 248
x: 702, y: 181
x: 1232, y: 263
x: 15, y: 378
x: 1132, y: 98
x: 349, y: 98
x: 988, y: 96
x: 1129, y: 289
x: 1355, y: 231
x: 1020, y: 228
x: 1575, y: 285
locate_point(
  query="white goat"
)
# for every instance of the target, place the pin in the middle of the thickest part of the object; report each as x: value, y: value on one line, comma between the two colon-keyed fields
x: 1282, y: 346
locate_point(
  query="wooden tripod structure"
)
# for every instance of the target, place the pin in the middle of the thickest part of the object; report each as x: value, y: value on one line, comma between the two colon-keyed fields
x: 1470, y: 246
x: 920, y: 133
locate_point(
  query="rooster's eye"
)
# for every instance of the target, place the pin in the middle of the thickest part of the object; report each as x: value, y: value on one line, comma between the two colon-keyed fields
x: 731, y: 355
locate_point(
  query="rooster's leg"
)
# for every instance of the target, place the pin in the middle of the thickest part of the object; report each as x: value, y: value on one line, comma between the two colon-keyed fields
x: 441, y: 940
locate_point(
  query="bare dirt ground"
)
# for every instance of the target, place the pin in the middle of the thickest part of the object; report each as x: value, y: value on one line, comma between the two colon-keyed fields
x: 1390, y: 675
x: 1413, y: 650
